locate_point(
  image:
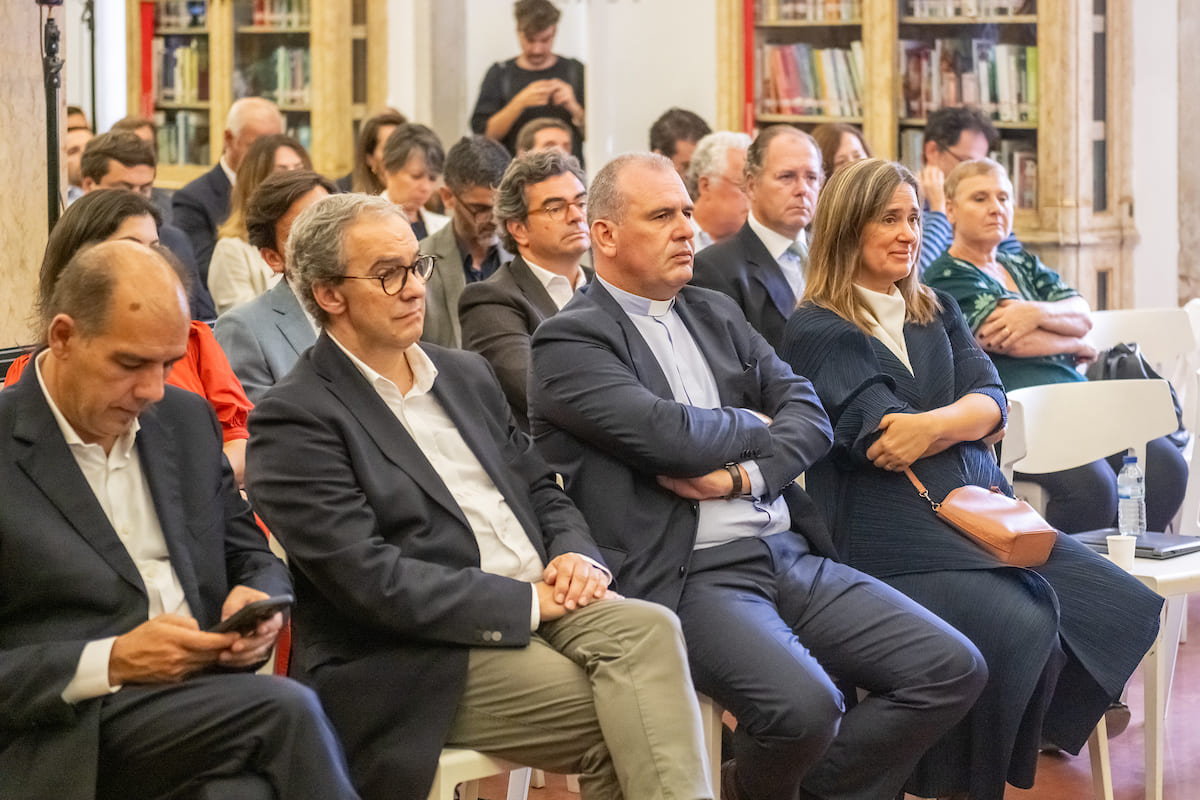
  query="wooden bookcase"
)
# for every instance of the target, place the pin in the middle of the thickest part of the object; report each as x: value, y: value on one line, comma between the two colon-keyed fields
x: 323, y: 62
x: 1072, y: 120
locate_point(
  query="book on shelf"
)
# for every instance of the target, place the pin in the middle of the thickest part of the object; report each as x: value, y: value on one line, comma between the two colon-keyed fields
x: 1024, y: 179
x: 182, y: 137
x: 998, y: 79
x: 967, y: 9
x: 179, y: 69
x: 178, y: 14
x: 282, y: 13
x: 805, y: 80
x: 809, y: 10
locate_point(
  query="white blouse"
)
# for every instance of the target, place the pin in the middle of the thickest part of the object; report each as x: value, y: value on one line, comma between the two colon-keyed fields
x: 889, y: 311
x: 237, y: 273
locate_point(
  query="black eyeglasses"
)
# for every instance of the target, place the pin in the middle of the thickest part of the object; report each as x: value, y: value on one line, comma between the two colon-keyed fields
x: 394, y: 280
x: 557, y: 209
x: 478, y: 211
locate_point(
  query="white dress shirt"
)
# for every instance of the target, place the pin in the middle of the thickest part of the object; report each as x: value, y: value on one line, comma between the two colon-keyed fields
x: 889, y: 311
x: 557, y: 286
x: 692, y: 382
x: 700, y: 237
x: 790, y: 254
x: 117, y: 481
x: 504, y: 547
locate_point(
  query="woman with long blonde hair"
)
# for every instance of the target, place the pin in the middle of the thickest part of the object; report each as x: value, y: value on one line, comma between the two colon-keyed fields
x: 907, y: 387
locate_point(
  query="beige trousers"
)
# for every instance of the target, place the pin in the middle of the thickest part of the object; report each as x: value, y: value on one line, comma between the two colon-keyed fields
x: 604, y: 692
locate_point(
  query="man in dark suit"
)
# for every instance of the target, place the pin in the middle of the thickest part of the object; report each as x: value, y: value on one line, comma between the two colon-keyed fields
x: 123, y: 160
x: 124, y: 541
x: 680, y: 434
x: 467, y: 249
x: 448, y: 592
x: 201, y: 206
x: 762, y: 266
x: 263, y: 338
x: 541, y: 208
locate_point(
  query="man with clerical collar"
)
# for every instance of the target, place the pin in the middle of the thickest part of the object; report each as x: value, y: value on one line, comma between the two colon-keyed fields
x: 468, y: 249
x: 541, y: 207
x: 125, y: 542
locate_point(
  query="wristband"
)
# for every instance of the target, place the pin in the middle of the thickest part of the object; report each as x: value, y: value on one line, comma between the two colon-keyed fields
x: 735, y: 472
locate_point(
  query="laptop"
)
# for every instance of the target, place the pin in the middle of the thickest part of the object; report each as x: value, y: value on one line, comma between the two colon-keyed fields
x: 1149, y: 545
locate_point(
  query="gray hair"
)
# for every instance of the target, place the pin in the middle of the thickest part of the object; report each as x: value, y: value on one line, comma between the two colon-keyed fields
x: 246, y: 108
x: 512, y: 200
x: 606, y: 200
x: 315, y: 249
x: 711, y: 157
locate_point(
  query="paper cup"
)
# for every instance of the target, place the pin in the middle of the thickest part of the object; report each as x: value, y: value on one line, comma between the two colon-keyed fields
x: 1120, y: 550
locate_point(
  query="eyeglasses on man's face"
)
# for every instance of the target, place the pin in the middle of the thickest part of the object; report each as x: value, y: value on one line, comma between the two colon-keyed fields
x: 478, y: 212
x: 556, y: 210
x: 394, y: 280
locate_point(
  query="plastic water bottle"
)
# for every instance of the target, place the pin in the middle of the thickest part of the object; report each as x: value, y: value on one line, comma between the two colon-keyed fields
x: 1131, y: 499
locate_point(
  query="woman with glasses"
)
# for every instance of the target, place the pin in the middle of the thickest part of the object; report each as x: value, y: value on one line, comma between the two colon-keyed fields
x: 238, y: 273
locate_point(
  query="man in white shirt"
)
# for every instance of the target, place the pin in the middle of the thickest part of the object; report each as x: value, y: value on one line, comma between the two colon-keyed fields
x: 716, y: 182
x: 448, y: 592
x: 762, y: 266
x: 541, y: 208
x: 125, y: 541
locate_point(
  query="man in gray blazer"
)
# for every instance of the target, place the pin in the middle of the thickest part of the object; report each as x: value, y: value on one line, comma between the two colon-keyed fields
x: 541, y: 208
x: 263, y: 338
x: 467, y: 250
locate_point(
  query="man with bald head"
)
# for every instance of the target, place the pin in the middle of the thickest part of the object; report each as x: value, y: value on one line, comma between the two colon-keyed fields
x: 202, y: 205
x: 125, y: 542
x: 680, y: 435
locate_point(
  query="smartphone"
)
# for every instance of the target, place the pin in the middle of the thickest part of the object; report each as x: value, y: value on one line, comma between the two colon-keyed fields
x: 246, y: 619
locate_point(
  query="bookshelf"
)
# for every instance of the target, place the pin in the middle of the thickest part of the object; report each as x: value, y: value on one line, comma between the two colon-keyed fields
x: 323, y: 62
x: 1047, y: 72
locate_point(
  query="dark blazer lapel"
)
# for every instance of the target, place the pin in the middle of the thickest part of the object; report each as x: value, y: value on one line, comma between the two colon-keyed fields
x: 644, y: 362
x: 155, y: 443
x: 715, y: 342
x: 364, y: 404
x: 768, y: 273
x: 42, y: 453
x: 531, y: 287
x: 292, y: 322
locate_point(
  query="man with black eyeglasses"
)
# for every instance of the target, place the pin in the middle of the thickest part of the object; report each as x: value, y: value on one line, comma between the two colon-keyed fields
x: 468, y: 249
x: 541, y: 208
x: 952, y: 136
x: 448, y: 591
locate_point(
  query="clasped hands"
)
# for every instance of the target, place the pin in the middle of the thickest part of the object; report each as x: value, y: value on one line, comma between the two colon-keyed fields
x: 550, y: 91
x: 571, y: 581
x: 170, y: 647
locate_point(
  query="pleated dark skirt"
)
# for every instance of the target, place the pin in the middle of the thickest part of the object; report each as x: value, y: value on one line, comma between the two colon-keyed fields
x: 1060, y: 642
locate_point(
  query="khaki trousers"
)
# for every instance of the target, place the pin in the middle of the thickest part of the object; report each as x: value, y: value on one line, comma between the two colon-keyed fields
x: 604, y: 692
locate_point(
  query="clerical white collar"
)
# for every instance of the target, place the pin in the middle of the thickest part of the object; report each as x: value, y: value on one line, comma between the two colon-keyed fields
x: 634, y: 304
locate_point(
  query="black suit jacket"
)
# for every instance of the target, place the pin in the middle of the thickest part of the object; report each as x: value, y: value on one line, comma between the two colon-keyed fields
x: 198, y: 209
x: 390, y: 596
x: 67, y: 579
x: 199, y: 299
x: 498, y: 316
x: 604, y: 415
x: 742, y: 268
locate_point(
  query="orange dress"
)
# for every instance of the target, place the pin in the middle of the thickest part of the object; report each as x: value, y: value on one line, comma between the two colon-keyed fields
x: 205, y: 371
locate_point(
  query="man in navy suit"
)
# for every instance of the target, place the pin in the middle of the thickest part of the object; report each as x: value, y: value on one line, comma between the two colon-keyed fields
x: 200, y: 207
x: 263, y: 338
x: 680, y: 435
x: 762, y: 266
x: 125, y: 540
x: 448, y: 592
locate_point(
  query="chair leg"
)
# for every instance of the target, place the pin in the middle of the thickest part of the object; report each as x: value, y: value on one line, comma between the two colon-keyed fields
x: 518, y: 784
x: 1102, y: 787
x: 573, y: 784
x: 537, y: 778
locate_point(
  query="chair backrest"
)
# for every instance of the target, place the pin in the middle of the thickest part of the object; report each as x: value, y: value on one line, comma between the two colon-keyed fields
x: 1166, y: 336
x: 1189, y: 513
x: 1065, y: 425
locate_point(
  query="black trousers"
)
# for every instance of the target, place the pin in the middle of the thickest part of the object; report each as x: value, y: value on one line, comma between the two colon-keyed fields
x: 190, y: 739
x: 766, y: 624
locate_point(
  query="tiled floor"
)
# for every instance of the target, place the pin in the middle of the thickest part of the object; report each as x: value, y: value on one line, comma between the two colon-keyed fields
x: 1062, y: 777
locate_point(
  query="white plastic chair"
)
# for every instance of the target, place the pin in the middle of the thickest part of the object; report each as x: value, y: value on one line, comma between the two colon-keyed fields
x: 1065, y: 425
x: 458, y: 766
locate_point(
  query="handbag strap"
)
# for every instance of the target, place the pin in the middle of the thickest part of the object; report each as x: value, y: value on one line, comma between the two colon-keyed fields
x: 921, y: 490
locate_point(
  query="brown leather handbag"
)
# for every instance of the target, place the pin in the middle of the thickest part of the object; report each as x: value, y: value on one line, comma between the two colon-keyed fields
x: 1006, y: 527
